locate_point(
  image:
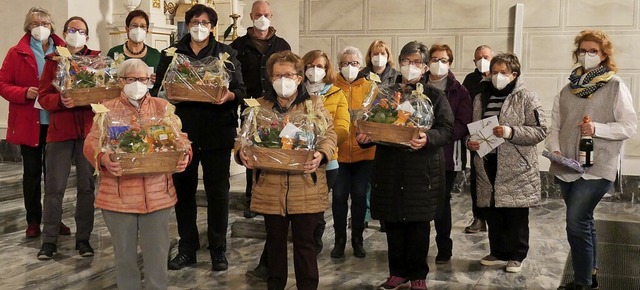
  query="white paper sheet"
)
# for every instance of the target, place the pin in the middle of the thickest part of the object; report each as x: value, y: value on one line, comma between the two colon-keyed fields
x: 482, y: 131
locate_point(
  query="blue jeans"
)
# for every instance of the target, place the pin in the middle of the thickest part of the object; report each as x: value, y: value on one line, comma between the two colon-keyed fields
x: 353, y: 180
x: 581, y: 198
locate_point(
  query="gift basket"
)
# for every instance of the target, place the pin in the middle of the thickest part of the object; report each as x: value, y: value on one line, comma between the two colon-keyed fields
x: 87, y: 79
x: 143, y: 146
x: 281, y: 142
x: 394, y: 117
x: 203, y: 80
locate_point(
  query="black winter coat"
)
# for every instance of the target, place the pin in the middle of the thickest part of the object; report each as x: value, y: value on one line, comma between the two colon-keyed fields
x: 209, y: 126
x: 408, y: 185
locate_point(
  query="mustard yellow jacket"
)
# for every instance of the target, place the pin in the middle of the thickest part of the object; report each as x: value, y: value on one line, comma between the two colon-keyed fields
x: 356, y: 92
x: 335, y: 102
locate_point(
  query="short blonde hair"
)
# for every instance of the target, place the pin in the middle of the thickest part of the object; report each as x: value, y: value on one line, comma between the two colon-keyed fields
x: 285, y: 56
x: 378, y: 45
x: 132, y: 65
x: 311, y: 56
x: 39, y: 13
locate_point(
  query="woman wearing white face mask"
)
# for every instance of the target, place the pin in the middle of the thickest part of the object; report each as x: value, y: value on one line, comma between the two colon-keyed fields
x: 135, y: 208
x: 212, y: 129
x: 380, y: 61
x: 594, y: 90
x: 441, y: 77
x: 137, y: 27
x: 508, y: 180
x: 305, y: 194
x: 355, y: 163
x: 69, y: 127
x: 27, y: 125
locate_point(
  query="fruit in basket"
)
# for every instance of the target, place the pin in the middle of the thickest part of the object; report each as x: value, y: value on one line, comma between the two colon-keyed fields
x: 133, y: 141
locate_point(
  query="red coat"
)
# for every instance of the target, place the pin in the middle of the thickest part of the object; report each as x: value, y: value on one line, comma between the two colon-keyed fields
x: 64, y: 124
x: 19, y: 72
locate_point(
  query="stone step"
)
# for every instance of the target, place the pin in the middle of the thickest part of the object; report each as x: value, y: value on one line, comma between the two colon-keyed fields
x: 11, y: 180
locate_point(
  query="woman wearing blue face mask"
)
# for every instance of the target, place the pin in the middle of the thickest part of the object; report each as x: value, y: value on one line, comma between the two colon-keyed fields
x: 286, y: 198
x: 137, y: 27
x: 28, y: 125
x: 596, y: 91
x: 508, y: 180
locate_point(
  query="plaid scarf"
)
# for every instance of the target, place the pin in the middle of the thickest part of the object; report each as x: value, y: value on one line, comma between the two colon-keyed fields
x: 585, y: 86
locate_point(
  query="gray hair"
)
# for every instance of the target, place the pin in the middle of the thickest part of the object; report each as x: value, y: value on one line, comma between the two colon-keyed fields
x: 483, y: 46
x: 132, y: 65
x: 256, y: 3
x: 352, y: 51
x: 414, y: 47
x: 39, y: 13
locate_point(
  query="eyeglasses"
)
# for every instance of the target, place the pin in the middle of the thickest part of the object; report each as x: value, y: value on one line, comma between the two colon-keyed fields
x: 351, y: 63
x: 285, y: 75
x: 590, y: 52
x: 130, y: 80
x: 134, y: 26
x: 203, y: 23
x: 320, y: 66
x: 442, y: 60
x: 74, y: 30
x: 36, y: 24
x: 406, y: 61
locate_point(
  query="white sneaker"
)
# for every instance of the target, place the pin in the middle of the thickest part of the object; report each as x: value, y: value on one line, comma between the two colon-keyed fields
x: 514, y: 266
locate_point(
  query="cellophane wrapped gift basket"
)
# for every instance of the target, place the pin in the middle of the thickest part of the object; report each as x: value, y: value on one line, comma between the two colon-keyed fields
x: 394, y: 116
x: 145, y: 145
x: 281, y: 142
x: 203, y: 80
x: 88, y: 79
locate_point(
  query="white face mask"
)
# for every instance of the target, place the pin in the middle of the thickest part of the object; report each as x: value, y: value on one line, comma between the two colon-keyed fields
x: 438, y: 68
x: 589, y: 62
x: 137, y: 35
x: 410, y: 72
x: 262, y: 23
x: 315, y: 88
x: 75, y: 40
x: 40, y: 33
x: 483, y: 65
x: 285, y: 87
x: 135, y: 91
x: 315, y: 74
x: 379, y: 60
x: 199, y: 33
x: 350, y: 73
x: 500, y: 81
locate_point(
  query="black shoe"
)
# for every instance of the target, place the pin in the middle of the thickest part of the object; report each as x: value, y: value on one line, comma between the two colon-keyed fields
x: 182, y: 260
x: 477, y: 225
x: 84, y: 248
x: 338, y: 248
x: 47, y: 251
x: 218, y: 259
x: 249, y: 214
x: 594, y: 282
x: 443, y: 259
x: 358, y: 248
x: 572, y: 286
x: 260, y: 273
x: 383, y: 227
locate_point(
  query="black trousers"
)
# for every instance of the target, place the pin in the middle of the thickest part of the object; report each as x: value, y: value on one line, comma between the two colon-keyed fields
x: 408, y: 245
x: 33, y: 166
x: 442, y: 221
x: 215, y: 169
x: 304, y: 250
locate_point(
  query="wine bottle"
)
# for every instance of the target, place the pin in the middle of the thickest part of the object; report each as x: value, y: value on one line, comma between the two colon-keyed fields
x: 586, y: 147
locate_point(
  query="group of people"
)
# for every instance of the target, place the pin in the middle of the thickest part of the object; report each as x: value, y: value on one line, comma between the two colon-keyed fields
x: 404, y: 187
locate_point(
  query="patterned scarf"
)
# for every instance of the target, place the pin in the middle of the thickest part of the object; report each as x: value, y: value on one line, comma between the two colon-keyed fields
x: 585, y: 86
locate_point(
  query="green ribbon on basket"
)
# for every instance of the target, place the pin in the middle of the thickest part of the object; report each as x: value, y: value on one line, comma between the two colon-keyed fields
x: 99, y: 120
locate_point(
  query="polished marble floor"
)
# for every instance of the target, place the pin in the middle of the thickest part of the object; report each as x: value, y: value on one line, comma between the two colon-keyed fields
x: 542, y: 269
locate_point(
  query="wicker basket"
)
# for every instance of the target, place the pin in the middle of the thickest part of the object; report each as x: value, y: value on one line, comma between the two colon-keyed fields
x: 388, y: 133
x: 284, y: 160
x: 87, y: 96
x: 193, y: 93
x: 148, y: 163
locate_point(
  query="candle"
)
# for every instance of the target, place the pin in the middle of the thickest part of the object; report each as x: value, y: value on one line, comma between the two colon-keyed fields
x: 234, y: 8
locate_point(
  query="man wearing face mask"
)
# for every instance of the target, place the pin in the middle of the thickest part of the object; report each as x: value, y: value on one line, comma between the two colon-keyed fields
x: 69, y: 127
x: 481, y: 59
x: 254, y: 49
x: 212, y: 129
x: 137, y: 27
x: 441, y: 77
x: 27, y: 125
